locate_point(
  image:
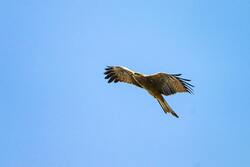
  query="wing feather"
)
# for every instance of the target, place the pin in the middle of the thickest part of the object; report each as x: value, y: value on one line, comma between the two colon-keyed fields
x: 169, y: 84
x: 120, y: 74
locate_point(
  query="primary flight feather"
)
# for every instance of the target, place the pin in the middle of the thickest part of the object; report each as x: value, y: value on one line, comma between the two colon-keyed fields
x: 156, y: 84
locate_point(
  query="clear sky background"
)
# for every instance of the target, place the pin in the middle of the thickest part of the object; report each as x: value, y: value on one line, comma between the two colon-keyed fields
x: 56, y: 109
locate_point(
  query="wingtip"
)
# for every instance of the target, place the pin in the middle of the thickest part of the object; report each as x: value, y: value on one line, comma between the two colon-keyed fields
x: 108, y: 67
x: 176, y: 75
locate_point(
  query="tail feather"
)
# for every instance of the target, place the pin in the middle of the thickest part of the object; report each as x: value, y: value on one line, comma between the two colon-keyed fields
x: 166, y: 108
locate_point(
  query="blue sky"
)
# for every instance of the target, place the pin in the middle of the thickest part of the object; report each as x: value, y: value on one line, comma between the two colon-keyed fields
x: 56, y: 110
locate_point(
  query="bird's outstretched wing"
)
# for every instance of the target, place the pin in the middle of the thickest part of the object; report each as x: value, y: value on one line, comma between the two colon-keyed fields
x: 120, y: 74
x: 169, y: 84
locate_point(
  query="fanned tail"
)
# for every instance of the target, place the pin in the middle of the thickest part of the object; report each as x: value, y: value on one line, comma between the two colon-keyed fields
x: 166, y: 108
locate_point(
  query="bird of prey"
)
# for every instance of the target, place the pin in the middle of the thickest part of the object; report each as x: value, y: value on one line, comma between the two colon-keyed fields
x: 156, y: 84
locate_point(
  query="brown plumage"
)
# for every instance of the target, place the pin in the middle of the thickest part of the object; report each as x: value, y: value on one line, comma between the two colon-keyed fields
x: 156, y: 84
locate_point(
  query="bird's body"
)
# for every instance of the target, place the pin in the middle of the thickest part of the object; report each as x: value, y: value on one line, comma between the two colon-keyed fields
x: 148, y: 84
x: 156, y: 84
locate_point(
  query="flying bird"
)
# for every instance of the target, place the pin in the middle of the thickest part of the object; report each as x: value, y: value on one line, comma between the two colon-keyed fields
x: 156, y: 84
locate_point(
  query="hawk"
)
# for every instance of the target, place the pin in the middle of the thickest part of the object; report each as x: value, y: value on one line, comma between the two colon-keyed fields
x: 156, y: 84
